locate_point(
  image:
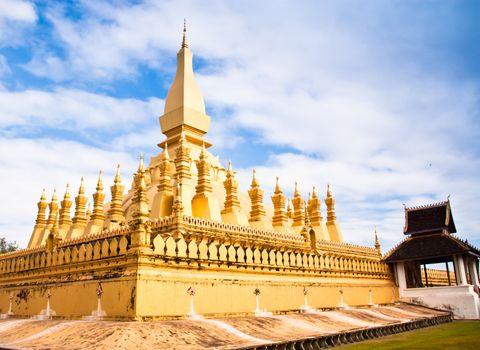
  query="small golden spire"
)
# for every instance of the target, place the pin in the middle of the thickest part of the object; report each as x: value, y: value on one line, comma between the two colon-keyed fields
x: 329, y: 194
x: 377, y: 243
x: 54, y: 197
x: 100, y: 182
x: 140, y: 164
x: 314, y: 193
x: 165, y: 152
x: 277, y: 186
x: 184, y: 41
x: 43, y: 196
x: 67, y: 192
x: 89, y: 211
x: 229, y: 170
x: 295, y: 192
x: 81, y: 190
x: 117, y: 178
x: 254, y: 179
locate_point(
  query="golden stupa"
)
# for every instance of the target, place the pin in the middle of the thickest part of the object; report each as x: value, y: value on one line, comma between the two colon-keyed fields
x: 185, y: 235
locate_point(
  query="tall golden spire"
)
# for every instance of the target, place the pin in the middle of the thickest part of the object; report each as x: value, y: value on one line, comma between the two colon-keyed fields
x: 140, y: 199
x: 53, y: 210
x: 184, y: 105
x: 79, y: 220
x: 231, y: 186
x: 140, y: 223
x: 330, y: 202
x: 115, y: 213
x: 66, y: 204
x: 314, y: 208
x: 97, y: 218
x: 40, y: 222
x: 279, y: 218
x: 204, y: 185
x: 42, y: 206
x: 332, y: 225
x: 203, y: 203
x: 257, y: 212
x: 231, y: 212
x: 377, y: 243
x: 163, y: 199
x: 182, y: 159
x: 298, y: 210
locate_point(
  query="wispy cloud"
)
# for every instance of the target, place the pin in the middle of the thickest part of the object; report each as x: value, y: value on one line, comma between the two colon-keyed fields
x: 375, y: 98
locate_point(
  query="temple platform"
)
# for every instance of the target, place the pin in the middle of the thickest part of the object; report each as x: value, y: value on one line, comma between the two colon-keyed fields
x: 313, y: 328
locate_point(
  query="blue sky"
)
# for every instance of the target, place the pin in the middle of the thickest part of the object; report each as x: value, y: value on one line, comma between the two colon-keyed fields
x: 378, y: 98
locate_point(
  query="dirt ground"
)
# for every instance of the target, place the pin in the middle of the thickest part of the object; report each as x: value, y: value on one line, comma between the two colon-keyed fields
x: 203, y: 333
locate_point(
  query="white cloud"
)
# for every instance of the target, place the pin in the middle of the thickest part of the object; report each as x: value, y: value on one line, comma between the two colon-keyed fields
x: 348, y: 89
x: 28, y: 165
x: 17, y: 10
x: 15, y: 17
x: 75, y: 110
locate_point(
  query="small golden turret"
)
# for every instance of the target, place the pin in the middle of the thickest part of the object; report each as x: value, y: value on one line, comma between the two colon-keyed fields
x: 65, y: 220
x: 279, y: 218
x: 289, y: 209
x: 204, y: 185
x: 298, y: 210
x: 116, y: 215
x: 231, y: 186
x: 182, y: 159
x: 88, y: 213
x: 316, y: 220
x: 79, y: 220
x: 377, y: 243
x: 40, y: 222
x: 97, y: 218
x: 42, y: 206
x: 163, y: 199
x: 53, y: 210
x: 231, y: 212
x: 203, y: 203
x: 177, y: 208
x: 140, y: 223
x: 330, y: 202
x: 257, y: 212
x: 332, y: 225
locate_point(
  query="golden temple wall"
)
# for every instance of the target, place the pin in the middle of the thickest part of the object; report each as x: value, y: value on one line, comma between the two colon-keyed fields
x: 224, y: 263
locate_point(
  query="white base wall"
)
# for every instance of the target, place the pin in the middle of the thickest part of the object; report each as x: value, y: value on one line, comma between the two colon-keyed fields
x: 461, y: 300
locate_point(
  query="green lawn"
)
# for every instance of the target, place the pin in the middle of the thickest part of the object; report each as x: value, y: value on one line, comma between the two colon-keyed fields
x: 462, y: 335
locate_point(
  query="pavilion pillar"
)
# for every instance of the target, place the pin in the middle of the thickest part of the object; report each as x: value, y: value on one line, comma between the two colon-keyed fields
x: 461, y: 270
x: 402, y: 281
x: 473, y: 271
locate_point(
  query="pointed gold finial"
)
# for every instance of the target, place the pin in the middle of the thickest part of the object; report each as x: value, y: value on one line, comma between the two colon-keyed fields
x: 100, y: 182
x: 329, y: 193
x: 67, y: 192
x: 229, y: 166
x: 81, y: 190
x: 117, y: 178
x: 254, y: 178
x: 295, y: 192
x: 277, y: 186
x: 89, y: 211
x: 140, y: 164
x: 184, y: 41
x: 165, y: 152
x: 377, y: 243
x: 43, y: 196
x: 54, y: 197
